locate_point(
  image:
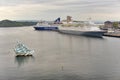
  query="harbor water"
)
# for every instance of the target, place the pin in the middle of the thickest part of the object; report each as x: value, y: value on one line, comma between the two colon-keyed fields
x: 58, y: 56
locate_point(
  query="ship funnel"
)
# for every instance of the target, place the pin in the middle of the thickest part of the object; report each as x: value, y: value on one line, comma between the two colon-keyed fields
x: 57, y: 21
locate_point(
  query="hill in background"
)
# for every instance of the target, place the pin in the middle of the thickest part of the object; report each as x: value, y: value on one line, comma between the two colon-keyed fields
x: 9, y: 23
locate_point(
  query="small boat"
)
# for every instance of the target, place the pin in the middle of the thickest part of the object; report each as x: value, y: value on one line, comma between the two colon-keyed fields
x: 43, y: 25
x: 22, y: 50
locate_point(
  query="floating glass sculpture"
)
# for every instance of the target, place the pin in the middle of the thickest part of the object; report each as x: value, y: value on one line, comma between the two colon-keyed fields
x: 22, y: 50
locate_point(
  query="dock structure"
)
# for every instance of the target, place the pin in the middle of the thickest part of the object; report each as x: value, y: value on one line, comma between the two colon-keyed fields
x: 112, y: 34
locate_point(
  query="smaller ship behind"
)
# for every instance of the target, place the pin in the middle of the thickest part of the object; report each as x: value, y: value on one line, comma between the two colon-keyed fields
x: 44, y: 25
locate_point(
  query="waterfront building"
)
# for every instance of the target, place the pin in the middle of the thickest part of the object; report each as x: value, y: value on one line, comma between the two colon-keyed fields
x: 108, y: 24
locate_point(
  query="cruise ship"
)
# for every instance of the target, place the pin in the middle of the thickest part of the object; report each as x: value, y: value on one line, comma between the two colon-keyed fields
x: 86, y: 28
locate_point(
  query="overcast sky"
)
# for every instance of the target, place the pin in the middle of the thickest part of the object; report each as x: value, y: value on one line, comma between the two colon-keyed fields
x: 51, y: 9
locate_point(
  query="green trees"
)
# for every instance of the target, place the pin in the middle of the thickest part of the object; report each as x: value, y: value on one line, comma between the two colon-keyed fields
x: 9, y: 23
x: 115, y: 24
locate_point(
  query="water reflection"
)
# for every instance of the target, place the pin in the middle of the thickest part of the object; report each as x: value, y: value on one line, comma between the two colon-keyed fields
x: 59, y: 56
x: 21, y: 60
x: 67, y: 76
x: 86, y: 36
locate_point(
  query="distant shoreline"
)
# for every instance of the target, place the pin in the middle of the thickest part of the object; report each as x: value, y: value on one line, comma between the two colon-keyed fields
x: 15, y: 26
x: 9, y: 23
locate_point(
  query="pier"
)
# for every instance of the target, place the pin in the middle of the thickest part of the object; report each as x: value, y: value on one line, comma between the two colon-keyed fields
x: 113, y: 34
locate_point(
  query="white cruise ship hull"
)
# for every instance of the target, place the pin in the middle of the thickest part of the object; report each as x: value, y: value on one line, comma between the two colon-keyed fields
x: 84, y: 33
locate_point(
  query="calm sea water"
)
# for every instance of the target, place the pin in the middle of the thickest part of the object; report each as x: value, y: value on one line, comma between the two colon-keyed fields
x: 58, y: 56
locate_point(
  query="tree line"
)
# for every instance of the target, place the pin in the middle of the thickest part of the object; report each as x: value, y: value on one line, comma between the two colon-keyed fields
x: 9, y: 23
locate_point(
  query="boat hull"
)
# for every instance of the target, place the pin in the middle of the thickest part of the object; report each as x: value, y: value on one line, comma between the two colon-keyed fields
x: 46, y: 28
x: 28, y: 53
x: 84, y: 33
x: 23, y: 55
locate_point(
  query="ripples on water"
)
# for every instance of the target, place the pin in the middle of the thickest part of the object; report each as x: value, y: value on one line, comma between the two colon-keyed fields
x: 58, y: 56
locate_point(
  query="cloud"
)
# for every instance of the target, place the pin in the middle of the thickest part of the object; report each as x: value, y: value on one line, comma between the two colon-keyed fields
x: 35, y: 9
x: 25, y: 11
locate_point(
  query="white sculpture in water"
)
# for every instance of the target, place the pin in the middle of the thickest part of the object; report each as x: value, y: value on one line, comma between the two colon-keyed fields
x: 22, y: 50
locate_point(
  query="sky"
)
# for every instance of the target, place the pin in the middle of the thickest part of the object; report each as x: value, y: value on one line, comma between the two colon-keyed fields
x: 52, y: 9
